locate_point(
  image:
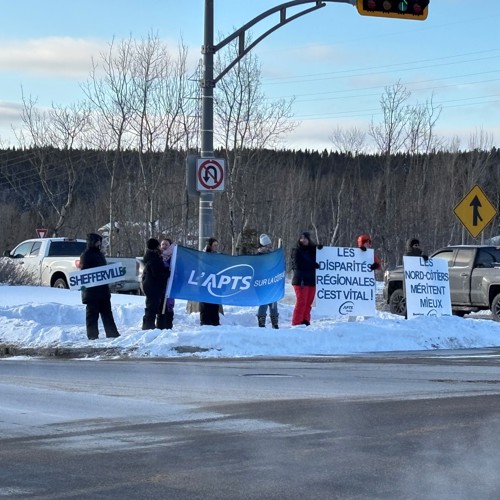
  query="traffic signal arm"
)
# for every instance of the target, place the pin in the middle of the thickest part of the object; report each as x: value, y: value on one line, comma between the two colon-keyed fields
x: 399, y: 9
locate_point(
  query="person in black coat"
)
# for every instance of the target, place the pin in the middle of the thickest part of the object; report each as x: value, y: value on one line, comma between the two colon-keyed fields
x: 97, y: 298
x: 154, y: 284
x: 413, y: 249
x: 304, y: 279
x: 209, y: 313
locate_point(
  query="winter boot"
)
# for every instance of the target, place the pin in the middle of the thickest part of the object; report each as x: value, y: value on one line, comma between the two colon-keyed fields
x: 169, y: 319
x: 161, y: 321
x: 262, y: 321
x: 147, y: 324
x: 274, y: 322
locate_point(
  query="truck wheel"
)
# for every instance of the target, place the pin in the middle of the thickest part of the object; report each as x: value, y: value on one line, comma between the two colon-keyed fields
x: 397, y: 302
x: 495, y: 308
x: 60, y: 283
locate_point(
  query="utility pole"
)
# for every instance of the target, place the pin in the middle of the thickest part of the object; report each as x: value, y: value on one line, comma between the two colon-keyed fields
x: 207, y: 123
x: 208, y: 82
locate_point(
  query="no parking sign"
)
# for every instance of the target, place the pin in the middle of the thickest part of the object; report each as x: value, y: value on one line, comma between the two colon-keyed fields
x: 210, y: 174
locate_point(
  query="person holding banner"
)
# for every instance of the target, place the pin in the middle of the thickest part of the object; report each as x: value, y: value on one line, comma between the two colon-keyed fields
x: 364, y: 243
x: 266, y: 246
x: 304, y: 279
x: 209, y: 313
x: 154, y: 284
x: 413, y: 249
x: 97, y: 298
x: 166, y: 315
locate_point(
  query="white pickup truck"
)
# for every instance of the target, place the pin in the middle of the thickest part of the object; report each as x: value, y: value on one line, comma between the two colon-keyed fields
x: 49, y: 261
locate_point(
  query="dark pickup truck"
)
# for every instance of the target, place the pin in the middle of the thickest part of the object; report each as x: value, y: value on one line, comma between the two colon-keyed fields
x: 474, y: 272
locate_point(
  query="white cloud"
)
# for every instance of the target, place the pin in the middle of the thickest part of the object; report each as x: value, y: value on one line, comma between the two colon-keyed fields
x: 53, y: 56
x: 311, y: 134
x: 9, y: 111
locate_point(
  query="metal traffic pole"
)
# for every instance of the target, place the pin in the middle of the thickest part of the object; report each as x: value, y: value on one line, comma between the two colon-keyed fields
x: 206, y: 216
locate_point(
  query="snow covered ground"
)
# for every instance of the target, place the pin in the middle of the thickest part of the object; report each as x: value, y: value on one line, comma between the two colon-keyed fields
x: 39, y: 317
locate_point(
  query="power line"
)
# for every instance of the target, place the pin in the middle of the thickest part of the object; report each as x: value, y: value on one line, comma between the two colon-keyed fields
x: 347, y: 73
x: 377, y: 111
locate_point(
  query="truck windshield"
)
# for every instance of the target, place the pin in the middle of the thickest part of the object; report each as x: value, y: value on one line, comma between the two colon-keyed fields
x: 67, y: 248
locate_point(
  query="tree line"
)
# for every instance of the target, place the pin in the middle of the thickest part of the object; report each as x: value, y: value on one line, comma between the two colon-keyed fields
x: 116, y: 162
x: 334, y: 195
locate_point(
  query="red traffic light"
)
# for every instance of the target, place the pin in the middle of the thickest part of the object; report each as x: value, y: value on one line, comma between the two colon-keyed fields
x: 403, y: 9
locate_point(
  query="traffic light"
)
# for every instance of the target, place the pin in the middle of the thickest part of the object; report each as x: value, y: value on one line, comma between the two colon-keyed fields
x: 401, y: 9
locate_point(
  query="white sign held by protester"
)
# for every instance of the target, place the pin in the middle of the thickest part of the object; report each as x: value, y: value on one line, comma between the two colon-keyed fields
x: 345, y: 284
x: 103, y: 275
x: 427, y: 287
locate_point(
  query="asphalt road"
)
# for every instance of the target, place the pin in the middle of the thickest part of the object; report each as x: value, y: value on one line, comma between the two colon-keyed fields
x: 398, y: 426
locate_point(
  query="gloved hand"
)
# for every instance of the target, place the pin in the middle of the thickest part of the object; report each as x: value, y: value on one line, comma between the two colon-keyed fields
x: 320, y: 247
x: 374, y: 266
x: 316, y: 265
x: 363, y: 249
x: 425, y: 257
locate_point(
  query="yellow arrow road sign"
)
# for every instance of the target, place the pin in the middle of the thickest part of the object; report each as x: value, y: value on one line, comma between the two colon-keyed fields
x: 475, y: 211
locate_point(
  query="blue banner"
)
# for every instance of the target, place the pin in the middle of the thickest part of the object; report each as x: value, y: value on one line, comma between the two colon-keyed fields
x: 243, y: 280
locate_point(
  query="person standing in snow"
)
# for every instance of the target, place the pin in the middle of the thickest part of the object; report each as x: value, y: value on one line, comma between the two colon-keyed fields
x: 209, y: 313
x: 266, y: 246
x: 97, y: 298
x: 413, y: 249
x: 154, y: 284
x: 165, y: 319
x: 304, y: 279
x: 364, y: 243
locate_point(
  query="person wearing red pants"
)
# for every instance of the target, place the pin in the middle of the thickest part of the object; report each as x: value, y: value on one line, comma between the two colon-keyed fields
x: 304, y: 279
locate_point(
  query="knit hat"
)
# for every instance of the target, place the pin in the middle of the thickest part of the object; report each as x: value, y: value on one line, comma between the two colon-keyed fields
x: 264, y: 240
x: 363, y: 238
x: 92, y: 239
x: 412, y: 242
x: 152, y: 244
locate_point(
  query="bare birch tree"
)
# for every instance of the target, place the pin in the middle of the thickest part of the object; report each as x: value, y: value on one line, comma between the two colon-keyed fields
x: 62, y: 128
x: 110, y: 90
x: 164, y: 117
x: 348, y: 141
x: 246, y: 122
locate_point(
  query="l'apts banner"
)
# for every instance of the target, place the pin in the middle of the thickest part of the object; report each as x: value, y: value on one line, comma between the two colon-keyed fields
x: 96, y: 276
x: 243, y: 280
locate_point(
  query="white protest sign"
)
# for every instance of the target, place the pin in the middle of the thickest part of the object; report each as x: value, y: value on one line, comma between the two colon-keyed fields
x: 427, y: 287
x: 96, y: 276
x: 345, y: 284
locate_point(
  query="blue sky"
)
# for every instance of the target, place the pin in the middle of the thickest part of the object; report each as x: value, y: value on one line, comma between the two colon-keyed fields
x: 335, y: 62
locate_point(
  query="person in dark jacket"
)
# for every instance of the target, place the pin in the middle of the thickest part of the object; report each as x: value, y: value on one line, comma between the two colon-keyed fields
x: 413, y: 249
x: 304, y: 279
x: 154, y: 284
x: 209, y: 313
x: 97, y: 298
x: 364, y: 243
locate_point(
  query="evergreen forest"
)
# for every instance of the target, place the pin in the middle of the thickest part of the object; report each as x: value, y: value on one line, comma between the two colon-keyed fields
x: 334, y: 195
